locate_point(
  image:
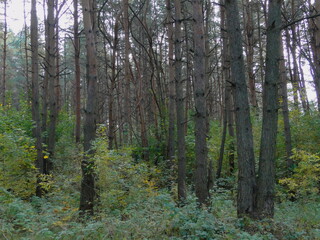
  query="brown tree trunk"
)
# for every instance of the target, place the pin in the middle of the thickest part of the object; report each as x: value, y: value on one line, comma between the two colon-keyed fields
x: 170, y: 144
x: 180, y: 105
x: 4, y: 56
x: 246, y: 160
x: 77, y: 71
x: 51, y: 69
x: 315, y: 46
x: 88, y: 193
x: 249, y: 33
x: 285, y: 108
x: 266, y: 179
x: 201, y: 173
x: 36, y: 131
x: 127, y: 80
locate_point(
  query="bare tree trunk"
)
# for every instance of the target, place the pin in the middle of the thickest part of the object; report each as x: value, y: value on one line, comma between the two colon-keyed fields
x: 57, y: 86
x: 88, y: 193
x: 127, y: 79
x: 4, y: 56
x: 180, y: 105
x: 201, y: 151
x: 285, y: 108
x: 170, y: 146
x: 266, y: 179
x: 249, y: 30
x: 77, y: 70
x: 51, y: 83
x: 228, y: 87
x: 246, y: 160
x: 36, y: 131
x: 315, y: 46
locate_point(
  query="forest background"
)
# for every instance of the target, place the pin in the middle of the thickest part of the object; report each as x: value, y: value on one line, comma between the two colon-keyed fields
x: 160, y: 119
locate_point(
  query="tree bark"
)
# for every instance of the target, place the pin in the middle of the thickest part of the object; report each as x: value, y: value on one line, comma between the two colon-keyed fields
x: 315, y: 46
x: 266, y: 179
x: 180, y: 105
x: 77, y: 71
x: 36, y: 131
x: 4, y: 56
x: 246, y: 160
x: 201, y: 151
x: 171, y: 130
x: 88, y: 193
x: 285, y: 108
x: 51, y: 69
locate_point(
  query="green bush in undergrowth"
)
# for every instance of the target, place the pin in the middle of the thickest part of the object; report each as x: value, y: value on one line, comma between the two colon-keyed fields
x: 305, y: 180
x: 17, y: 153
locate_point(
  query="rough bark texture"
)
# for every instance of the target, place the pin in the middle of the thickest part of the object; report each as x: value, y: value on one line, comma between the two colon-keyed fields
x: 201, y: 173
x: 77, y: 71
x: 315, y: 45
x: 87, y: 194
x: 51, y: 83
x: 180, y: 104
x: 36, y: 131
x: 266, y: 180
x: 285, y: 108
x: 246, y: 162
x: 170, y: 146
x: 4, y: 56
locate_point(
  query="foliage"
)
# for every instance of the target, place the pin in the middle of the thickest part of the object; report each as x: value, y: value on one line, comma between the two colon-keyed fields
x: 18, y: 153
x: 305, y: 180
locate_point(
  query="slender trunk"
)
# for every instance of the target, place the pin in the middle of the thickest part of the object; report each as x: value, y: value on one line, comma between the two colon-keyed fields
x: 246, y: 161
x: 4, y: 56
x: 201, y: 173
x: 57, y: 87
x: 77, y: 71
x: 223, y: 141
x: 285, y: 108
x: 88, y: 193
x: 266, y: 179
x: 127, y: 79
x: 249, y: 30
x: 180, y: 104
x: 170, y: 146
x: 51, y: 83
x: 315, y: 46
x: 35, y: 93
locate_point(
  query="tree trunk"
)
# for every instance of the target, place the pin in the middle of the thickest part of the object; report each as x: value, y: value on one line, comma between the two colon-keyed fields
x: 180, y: 105
x: 4, y: 56
x: 315, y: 46
x: 170, y: 145
x: 246, y: 161
x: 88, y: 194
x: 36, y: 131
x: 77, y: 70
x: 201, y: 173
x: 51, y: 83
x: 285, y: 108
x: 266, y: 179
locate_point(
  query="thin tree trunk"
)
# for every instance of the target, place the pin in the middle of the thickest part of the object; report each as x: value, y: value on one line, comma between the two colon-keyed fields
x: 246, y: 160
x: 77, y: 71
x: 285, y: 108
x: 201, y: 152
x: 36, y: 131
x: 266, y: 179
x: 180, y: 105
x: 88, y: 193
x: 170, y: 145
x: 51, y: 83
x: 4, y: 56
x: 315, y: 46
